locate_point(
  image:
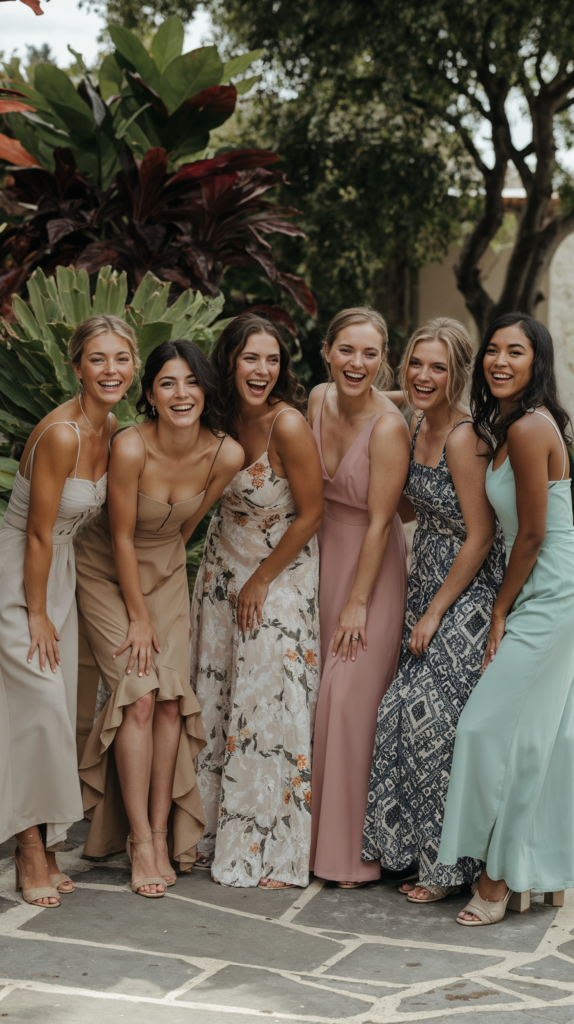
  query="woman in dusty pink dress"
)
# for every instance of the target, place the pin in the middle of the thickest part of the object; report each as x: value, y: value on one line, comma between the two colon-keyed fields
x: 363, y: 442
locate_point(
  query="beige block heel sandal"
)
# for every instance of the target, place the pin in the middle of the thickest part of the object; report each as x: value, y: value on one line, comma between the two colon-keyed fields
x: 40, y: 892
x: 137, y: 883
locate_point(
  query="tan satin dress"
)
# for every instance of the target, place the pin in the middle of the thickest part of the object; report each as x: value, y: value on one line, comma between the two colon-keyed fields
x: 161, y: 558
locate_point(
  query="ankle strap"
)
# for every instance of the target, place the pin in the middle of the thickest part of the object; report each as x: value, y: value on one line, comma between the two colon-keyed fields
x: 138, y: 842
x: 159, y: 831
x: 29, y: 846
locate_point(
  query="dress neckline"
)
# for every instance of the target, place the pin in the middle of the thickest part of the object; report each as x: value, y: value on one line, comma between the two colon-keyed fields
x: 71, y: 479
x: 175, y: 503
x: 320, y: 445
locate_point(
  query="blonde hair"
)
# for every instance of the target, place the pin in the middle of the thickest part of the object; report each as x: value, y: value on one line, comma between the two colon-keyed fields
x: 361, y: 315
x: 102, y: 323
x: 456, y: 340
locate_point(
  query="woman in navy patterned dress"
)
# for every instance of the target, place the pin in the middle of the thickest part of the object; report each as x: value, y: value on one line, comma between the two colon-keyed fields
x: 457, y: 568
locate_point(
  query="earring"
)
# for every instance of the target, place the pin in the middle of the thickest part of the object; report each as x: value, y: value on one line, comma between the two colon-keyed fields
x: 153, y: 411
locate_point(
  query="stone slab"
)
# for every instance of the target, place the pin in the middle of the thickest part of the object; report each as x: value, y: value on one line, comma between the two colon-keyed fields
x: 404, y: 965
x: 550, y: 967
x: 467, y: 992
x: 136, y: 974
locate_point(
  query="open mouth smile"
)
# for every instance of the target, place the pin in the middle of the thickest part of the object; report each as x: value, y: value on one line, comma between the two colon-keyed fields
x: 501, y: 378
x: 423, y: 391
x: 257, y: 387
x: 353, y: 378
x: 110, y: 385
x: 181, y: 410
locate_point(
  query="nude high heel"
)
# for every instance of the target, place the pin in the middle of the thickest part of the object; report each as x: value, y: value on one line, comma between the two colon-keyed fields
x: 58, y: 878
x: 487, y: 911
x: 40, y: 892
x: 138, y: 882
x: 168, y: 879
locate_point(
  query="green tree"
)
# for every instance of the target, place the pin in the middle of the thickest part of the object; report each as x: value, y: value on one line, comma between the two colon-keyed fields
x: 457, y: 64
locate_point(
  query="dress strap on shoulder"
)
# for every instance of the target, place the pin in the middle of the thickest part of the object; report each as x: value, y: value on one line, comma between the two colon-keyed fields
x: 133, y: 426
x: 109, y: 432
x: 288, y: 409
x: 213, y: 463
x: 457, y: 425
x: 30, y: 459
x: 559, y: 435
x: 416, y: 431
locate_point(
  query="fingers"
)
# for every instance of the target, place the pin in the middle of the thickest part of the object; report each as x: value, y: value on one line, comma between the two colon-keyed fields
x: 354, y: 645
x: 53, y: 655
x: 31, y: 650
x: 42, y: 653
x: 123, y: 648
x: 132, y: 658
x: 155, y: 642
x: 337, y: 637
x: 345, y: 646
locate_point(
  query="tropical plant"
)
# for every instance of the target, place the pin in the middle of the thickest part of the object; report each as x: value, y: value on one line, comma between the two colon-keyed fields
x: 35, y: 375
x: 162, y: 98
x: 186, y: 227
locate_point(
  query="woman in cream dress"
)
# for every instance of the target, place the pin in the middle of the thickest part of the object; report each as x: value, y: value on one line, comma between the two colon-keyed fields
x: 255, y: 629
x: 137, y: 768
x: 62, y: 483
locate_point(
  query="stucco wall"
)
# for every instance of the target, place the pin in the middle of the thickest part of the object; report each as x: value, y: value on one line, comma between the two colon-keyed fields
x: 561, y: 318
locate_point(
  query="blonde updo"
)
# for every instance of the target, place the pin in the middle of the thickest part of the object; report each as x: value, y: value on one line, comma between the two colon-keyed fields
x: 456, y: 340
x: 102, y: 323
x: 362, y: 315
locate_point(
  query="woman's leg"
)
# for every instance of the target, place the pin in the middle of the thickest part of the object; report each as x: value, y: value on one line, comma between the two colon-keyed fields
x: 33, y: 864
x: 133, y: 754
x: 166, y: 735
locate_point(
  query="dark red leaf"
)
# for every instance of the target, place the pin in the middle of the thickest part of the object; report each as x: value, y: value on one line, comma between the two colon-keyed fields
x: 58, y: 228
x: 299, y: 290
x: 276, y: 313
x: 14, y: 153
x: 13, y: 106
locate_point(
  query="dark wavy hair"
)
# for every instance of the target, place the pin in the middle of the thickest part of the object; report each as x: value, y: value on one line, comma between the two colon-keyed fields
x: 181, y: 348
x: 541, y: 389
x: 229, y: 346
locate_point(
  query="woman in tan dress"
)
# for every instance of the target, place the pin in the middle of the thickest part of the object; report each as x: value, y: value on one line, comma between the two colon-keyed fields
x: 255, y: 630
x: 61, y: 484
x: 137, y: 768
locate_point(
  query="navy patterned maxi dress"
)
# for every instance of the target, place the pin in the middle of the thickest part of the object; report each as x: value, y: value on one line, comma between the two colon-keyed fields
x: 418, y: 715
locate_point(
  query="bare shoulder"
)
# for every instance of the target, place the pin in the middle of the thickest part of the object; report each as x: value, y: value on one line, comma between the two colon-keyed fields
x: 290, y: 426
x: 61, y: 439
x: 230, y: 458
x: 463, y: 440
x: 315, y: 398
x: 391, y: 427
x: 128, y: 446
x: 529, y: 431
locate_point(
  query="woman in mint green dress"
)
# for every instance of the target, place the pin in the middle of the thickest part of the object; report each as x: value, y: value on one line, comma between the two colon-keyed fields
x: 512, y: 781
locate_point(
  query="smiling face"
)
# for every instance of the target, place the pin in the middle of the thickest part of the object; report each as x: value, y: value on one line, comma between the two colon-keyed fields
x: 507, y: 363
x: 427, y: 374
x: 355, y: 358
x: 106, y: 368
x: 176, y: 395
x: 257, y: 369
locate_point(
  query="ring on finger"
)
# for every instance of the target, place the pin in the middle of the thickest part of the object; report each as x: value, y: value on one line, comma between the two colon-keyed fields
x: 358, y: 637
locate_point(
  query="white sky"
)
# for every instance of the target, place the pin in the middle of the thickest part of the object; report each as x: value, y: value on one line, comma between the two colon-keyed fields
x: 65, y: 23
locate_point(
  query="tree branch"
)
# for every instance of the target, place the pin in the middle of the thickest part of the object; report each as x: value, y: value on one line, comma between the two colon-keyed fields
x: 565, y: 105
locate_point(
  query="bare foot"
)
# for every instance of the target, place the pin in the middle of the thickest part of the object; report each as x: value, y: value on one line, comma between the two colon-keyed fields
x: 34, y: 873
x: 53, y: 869
x: 144, y: 865
x: 162, y: 856
x: 420, y: 893
x: 408, y: 887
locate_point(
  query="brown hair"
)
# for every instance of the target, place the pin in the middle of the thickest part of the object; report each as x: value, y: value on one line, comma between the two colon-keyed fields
x: 102, y: 323
x: 456, y: 340
x: 361, y: 315
x: 229, y: 346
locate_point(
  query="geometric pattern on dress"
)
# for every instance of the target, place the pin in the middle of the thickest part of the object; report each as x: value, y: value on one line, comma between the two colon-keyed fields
x: 418, y: 715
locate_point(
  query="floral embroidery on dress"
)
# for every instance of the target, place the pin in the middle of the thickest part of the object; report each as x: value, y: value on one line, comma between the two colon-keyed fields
x: 257, y: 691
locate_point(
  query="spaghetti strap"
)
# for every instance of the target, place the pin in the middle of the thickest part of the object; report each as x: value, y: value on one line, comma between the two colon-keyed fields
x: 455, y: 426
x: 133, y: 426
x: 213, y: 463
x: 288, y: 409
x: 415, y: 432
x: 559, y: 435
x: 30, y: 459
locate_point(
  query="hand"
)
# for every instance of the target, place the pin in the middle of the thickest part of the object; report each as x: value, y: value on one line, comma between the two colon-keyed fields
x: 352, y: 624
x: 250, y: 603
x: 44, y: 636
x: 497, y: 631
x: 143, y: 641
x: 423, y: 632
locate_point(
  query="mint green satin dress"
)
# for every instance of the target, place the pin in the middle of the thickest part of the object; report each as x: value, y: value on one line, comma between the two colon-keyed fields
x: 511, y: 789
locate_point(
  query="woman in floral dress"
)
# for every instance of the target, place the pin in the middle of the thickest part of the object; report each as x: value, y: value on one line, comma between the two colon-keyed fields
x: 255, y: 650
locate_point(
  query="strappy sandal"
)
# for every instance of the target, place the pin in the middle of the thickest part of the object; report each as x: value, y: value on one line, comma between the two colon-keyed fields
x: 436, y: 892
x: 408, y: 878
x: 275, y: 888
x: 58, y: 878
x: 487, y: 911
x: 40, y: 892
x: 138, y: 882
x: 168, y: 879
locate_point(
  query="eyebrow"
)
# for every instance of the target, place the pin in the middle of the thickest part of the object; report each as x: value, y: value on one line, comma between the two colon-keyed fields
x: 167, y: 376
x: 124, y: 352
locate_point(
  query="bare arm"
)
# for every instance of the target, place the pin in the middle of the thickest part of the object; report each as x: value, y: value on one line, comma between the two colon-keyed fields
x: 528, y: 450
x: 297, y: 450
x: 55, y: 459
x: 467, y: 465
x: 228, y: 462
x: 389, y: 452
x: 126, y: 465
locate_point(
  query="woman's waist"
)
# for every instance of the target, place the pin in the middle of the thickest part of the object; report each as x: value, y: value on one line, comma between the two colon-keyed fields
x: 351, y: 515
x: 62, y: 532
x: 266, y: 516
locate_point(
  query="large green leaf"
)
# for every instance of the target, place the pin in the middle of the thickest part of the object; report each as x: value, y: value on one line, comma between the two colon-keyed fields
x: 57, y: 88
x: 151, y: 335
x: 44, y: 298
x: 74, y: 290
x: 247, y: 84
x: 26, y: 318
x: 239, y: 64
x: 64, y: 372
x: 8, y: 470
x: 111, y: 292
x: 151, y: 298
x: 130, y: 47
x: 167, y: 43
x: 189, y: 74
x: 110, y: 77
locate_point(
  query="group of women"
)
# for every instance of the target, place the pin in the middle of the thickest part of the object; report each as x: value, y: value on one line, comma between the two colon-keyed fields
x: 431, y: 719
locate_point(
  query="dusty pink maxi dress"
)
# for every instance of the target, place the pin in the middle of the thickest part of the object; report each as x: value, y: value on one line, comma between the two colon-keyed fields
x: 351, y: 692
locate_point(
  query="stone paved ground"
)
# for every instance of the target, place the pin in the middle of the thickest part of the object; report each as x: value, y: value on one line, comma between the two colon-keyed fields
x: 209, y: 955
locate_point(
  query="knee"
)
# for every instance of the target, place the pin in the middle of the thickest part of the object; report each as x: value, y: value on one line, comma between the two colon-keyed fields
x: 141, y: 711
x: 169, y: 709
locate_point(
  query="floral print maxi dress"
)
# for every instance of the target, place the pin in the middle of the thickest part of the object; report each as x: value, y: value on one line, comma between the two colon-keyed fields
x: 257, y: 690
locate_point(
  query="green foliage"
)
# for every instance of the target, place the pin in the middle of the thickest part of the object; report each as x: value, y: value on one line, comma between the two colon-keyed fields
x: 161, y: 97
x: 35, y: 375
